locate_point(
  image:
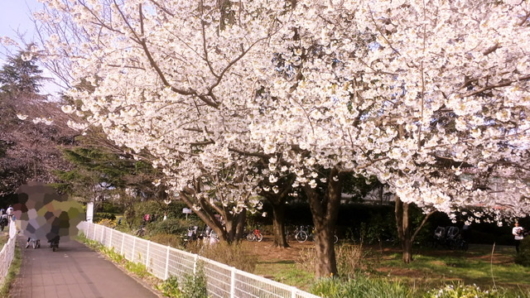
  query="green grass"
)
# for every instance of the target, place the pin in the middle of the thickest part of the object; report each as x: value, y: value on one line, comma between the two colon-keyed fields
x: 431, y: 269
x: 138, y: 269
x: 3, y: 238
x: 479, y: 266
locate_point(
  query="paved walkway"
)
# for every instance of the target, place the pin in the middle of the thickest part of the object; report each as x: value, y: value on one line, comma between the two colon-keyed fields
x: 74, y: 271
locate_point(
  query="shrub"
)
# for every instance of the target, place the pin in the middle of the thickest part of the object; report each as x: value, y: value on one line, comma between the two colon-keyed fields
x: 170, y: 288
x: 99, y: 216
x: 350, y: 259
x: 195, y: 286
x: 168, y: 226
x: 139, y: 269
x: 361, y: 287
x: 234, y: 255
x: 167, y: 239
x: 107, y: 223
x: 462, y: 291
x: 523, y: 257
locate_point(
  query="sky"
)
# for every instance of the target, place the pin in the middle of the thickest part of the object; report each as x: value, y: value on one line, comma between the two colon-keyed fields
x: 15, y: 16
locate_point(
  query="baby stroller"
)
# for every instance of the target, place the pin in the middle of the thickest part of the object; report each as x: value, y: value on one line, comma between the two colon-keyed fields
x: 33, y: 242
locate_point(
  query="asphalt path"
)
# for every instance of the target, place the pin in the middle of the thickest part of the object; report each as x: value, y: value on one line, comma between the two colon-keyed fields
x: 73, y: 271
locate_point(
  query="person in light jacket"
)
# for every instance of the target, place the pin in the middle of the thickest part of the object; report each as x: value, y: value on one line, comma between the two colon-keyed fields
x: 518, y: 233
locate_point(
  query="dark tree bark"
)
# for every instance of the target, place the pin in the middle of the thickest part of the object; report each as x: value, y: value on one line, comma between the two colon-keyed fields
x: 406, y: 233
x: 278, y: 210
x: 278, y: 226
x: 325, y: 212
x: 229, y: 229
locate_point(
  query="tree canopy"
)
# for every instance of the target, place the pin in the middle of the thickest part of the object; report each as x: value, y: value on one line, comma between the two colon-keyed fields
x: 415, y: 93
x: 32, y: 129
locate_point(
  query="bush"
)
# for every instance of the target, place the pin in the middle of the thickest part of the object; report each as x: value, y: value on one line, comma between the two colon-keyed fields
x: 107, y: 223
x: 462, y: 291
x: 351, y: 259
x: 361, y: 287
x: 169, y: 226
x: 170, y: 288
x: 99, y: 216
x: 167, y: 239
x: 195, y: 286
x: 234, y: 255
x: 523, y: 257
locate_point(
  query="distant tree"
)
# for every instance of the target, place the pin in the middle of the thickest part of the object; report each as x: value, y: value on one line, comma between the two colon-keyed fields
x: 21, y: 74
x: 32, y: 129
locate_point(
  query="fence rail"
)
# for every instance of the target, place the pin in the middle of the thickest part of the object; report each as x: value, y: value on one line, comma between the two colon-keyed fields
x: 164, y: 261
x: 8, y: 252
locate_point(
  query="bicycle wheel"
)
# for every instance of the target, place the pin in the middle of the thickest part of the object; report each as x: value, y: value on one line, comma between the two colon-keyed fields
x: 250, y: 236
x: 301, y: 236
x: 259, y: 237
x: 335, y: 239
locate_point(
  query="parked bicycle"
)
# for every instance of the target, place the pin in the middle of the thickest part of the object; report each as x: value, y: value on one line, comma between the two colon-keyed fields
x: 140, y: 232
x: 450, y: 238
x: 255, y: 235
x: 304, y: 233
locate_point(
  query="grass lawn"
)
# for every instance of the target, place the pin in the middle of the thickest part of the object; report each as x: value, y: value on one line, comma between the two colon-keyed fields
x: 483, y: 265
x: 3, y: 238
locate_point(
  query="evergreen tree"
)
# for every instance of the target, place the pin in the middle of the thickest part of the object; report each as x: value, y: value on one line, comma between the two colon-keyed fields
x: 21, y: 74
x: 32, y: 129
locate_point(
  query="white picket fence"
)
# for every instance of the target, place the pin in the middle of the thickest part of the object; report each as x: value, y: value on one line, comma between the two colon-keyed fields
x: 8, y: 253
x: 164, y: 261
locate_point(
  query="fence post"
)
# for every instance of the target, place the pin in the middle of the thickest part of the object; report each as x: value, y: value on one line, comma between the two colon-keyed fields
x: 110, y: 240
x: 133, y: 254
x: 167, y: 264
x: 195, y: 257
x: 233, y: 282
x: 122, y: 242
x: 293, y: 292
x: 147, y: 255
x: 93, y: 232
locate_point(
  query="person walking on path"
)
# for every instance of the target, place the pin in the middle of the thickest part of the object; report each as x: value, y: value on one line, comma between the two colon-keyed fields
x: 518, y: 233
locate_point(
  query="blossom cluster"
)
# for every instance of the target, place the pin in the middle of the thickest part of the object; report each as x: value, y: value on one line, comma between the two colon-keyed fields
x: 412, y: 92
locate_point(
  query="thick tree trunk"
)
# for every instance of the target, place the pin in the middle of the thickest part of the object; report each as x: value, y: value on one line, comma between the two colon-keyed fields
x: 234, y: 224
x: 277, y: 201
x: 226, y: 230
x: 406, y: 246
x: 278, y: 226
x: 403, y: 228
x: 325, y: 211
x: 325, y: 252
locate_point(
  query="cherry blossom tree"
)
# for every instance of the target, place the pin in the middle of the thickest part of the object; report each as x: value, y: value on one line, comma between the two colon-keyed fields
x: 412, y: 92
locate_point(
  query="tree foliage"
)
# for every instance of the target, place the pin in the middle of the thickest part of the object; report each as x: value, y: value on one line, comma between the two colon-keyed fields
x: 416, y: 93
x: 30, y: 141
